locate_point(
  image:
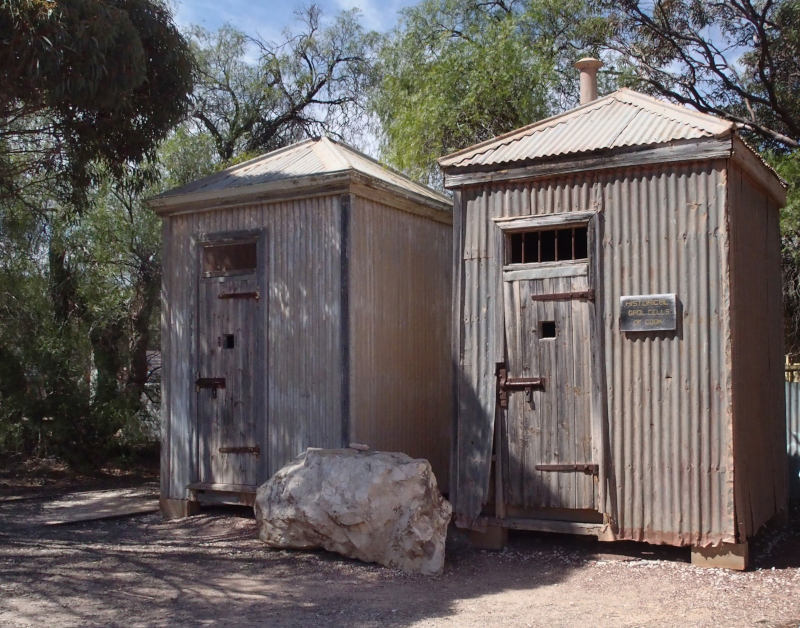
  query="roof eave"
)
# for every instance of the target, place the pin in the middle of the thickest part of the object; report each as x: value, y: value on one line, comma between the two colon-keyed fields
x: 759, y: 170
x: 683, y: 150
x: 287, y: 188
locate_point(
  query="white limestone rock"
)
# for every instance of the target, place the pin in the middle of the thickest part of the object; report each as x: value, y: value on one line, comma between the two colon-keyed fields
x: 375, y: 506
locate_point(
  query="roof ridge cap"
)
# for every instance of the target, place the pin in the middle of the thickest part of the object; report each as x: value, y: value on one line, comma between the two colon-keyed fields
x: 332, y: 149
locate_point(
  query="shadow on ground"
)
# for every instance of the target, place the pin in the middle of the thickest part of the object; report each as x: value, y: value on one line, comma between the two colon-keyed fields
x: 212, y: 569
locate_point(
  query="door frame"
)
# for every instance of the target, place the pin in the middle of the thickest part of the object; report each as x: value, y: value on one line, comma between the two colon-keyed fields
x: 506, y: 225
x: 201, y: 240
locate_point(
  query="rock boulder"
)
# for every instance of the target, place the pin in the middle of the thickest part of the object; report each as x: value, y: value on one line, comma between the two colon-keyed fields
x: 374, y: 506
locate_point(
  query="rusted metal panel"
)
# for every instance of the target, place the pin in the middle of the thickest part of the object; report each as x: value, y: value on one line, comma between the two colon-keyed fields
x: 479, y: 318
x: 179, y: 450
x: 757, y: 357
x: 400, y: 286
x: 303, y: 328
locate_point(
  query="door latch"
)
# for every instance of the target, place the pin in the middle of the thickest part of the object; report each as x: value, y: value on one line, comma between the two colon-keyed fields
x: 210, y: 382
x: 506, y: 384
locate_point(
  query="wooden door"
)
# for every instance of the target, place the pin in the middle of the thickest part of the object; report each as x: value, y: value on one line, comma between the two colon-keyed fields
x: 230, y: 325
x: 549, y: 454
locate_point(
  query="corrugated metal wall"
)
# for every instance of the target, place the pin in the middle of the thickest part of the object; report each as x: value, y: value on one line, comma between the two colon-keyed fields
x: 303, y: 377
x: 669, y: 474
x: 669, y: 395
x: 758, y: 360
x: 399, y: 286
x: 792, y: 390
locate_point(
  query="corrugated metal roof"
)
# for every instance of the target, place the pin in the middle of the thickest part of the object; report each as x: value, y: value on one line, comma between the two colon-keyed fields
x: 318, y: 156
x: 622, y: 119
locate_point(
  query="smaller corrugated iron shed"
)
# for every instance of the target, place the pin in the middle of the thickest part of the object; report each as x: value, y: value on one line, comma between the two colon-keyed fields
x: 306, y: 304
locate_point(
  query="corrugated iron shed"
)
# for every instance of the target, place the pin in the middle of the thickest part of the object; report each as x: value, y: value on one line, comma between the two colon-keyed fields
x: 306, y: 300
x: 683, y: 428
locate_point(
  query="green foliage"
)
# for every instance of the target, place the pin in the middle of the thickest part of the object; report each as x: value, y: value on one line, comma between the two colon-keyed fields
x: 456, y: 72
x: 788, y: 166
x: 85, y: 82
x: 88, y: 90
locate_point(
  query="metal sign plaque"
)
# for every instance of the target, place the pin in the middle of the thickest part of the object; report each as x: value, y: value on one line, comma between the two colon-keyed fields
x: 648, y: 312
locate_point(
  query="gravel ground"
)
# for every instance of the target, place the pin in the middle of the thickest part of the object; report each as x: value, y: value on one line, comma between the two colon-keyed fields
x: 211, y: 569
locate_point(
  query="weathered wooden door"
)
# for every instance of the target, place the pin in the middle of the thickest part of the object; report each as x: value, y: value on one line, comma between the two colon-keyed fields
x: 549, y: 454
x: 230, y: 322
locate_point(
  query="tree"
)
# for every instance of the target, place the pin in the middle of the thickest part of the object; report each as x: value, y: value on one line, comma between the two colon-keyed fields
x: 85, y: 82
x: 456, y: 72
x: 79, y: 297
x: 312, y: 83
x: 737, y: 59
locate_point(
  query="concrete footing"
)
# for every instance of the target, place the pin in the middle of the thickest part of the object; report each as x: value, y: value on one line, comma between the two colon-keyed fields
x: 726, y: 555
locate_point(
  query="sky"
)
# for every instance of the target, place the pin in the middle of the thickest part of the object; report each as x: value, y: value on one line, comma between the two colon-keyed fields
x: 267, y: 18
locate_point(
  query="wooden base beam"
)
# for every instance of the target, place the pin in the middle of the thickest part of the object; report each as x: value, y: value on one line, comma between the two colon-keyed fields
x: 726, y: 556
x: 177, y: 508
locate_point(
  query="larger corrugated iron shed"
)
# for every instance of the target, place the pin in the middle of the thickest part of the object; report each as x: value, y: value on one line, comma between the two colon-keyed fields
x: 686, y: 425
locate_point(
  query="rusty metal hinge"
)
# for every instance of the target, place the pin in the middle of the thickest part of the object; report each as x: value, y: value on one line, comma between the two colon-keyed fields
x: 240, y: 450
x: 582, y: 295
x: 587, y: 468
x: 210, y: 382
x: 506, y: 383
x: 239, y: 295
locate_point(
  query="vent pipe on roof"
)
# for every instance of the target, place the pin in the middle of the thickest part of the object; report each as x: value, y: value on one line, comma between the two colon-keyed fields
x: 588, y: 67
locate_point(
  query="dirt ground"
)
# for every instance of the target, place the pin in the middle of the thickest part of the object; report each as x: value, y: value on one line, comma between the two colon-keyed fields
x: 211, y: 569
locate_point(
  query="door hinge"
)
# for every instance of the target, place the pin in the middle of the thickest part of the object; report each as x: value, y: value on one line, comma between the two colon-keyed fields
x: 210, y: 382
x: 239, y: 295
x: 506, y: 383
x: 240, y: 450
x: 582, y: 295
x: 587, y: 468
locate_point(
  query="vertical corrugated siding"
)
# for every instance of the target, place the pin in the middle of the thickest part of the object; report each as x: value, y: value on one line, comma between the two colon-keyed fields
x: 179, y: 277
x: 668, y: 401
x: 400, y: 286
x: 792, y: 390
x: 302, y: 378
x: 304, y: 357
x: 758, y: 362
x: 477, y: 319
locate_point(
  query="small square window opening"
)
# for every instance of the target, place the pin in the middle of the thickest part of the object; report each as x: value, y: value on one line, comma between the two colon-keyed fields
x: 225, y: 259
x: 228, y: 341
x: 547, y: 329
